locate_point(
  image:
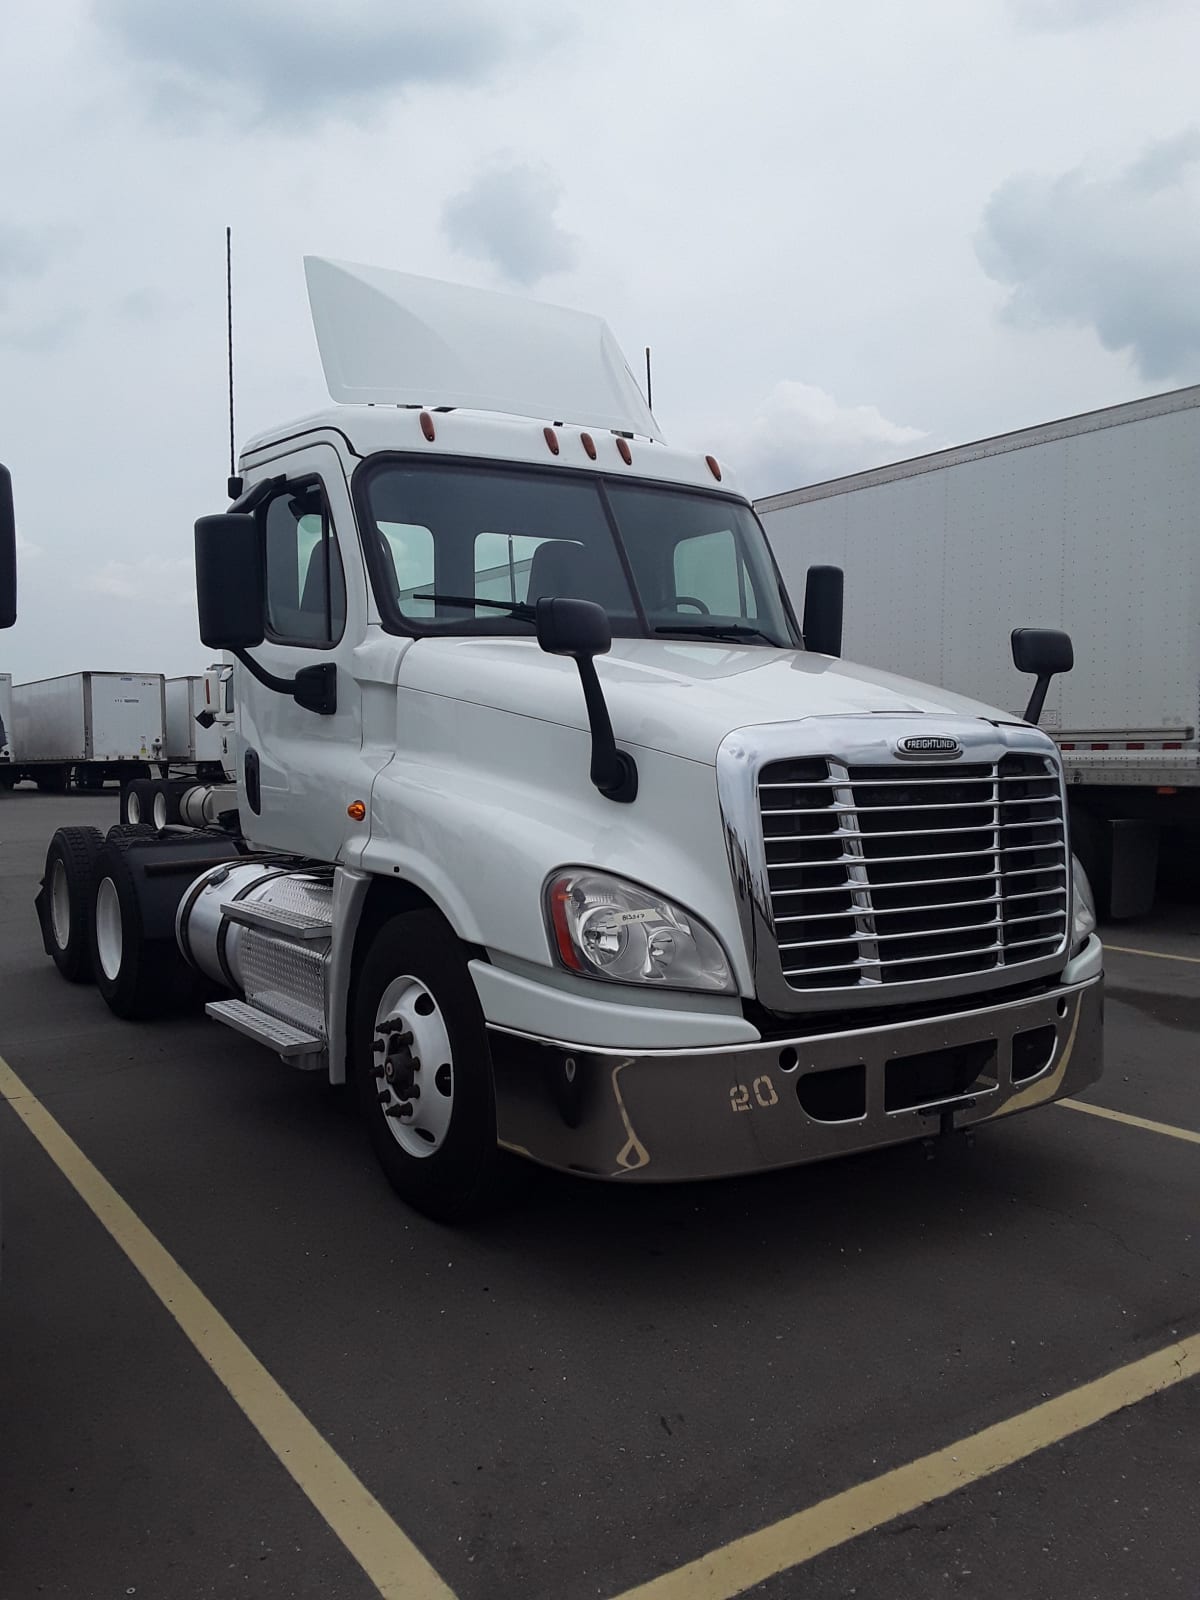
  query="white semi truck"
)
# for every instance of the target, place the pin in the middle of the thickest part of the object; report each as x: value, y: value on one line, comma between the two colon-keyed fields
x: 197, y: 747
x: 1088, y: 524
x: 603, y: 864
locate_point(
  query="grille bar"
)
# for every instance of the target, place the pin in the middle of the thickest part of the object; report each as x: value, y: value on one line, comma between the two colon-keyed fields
x: 904, y: 783
x: 941, y: 805
x: 986, y: 861
x: 900, y: 833
x: 942, y: 905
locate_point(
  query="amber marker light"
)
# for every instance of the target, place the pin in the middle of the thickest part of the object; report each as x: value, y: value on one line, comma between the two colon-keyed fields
x: 356, y: 810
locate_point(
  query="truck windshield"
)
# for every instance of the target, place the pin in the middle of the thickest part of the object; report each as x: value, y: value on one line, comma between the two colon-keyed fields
x: 444, y: 539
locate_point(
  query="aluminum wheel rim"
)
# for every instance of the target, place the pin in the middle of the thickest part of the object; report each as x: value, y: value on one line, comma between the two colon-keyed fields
x: 60, y: 905
x: 160, y: 809
x: 414, y: 1076
x: 133, y: 807
x: 110, y: 938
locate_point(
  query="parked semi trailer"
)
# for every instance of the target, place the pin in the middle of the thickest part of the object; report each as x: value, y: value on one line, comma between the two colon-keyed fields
x: 5, y: 727
x: 1088, y: 524
x: 614, y: 869
x: 87, y: 728
x: 197, y: 740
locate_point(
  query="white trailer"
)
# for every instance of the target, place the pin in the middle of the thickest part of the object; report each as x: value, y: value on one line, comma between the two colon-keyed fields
x: 90, y: 726
x: 5, y: 725
x: 1089, y: 524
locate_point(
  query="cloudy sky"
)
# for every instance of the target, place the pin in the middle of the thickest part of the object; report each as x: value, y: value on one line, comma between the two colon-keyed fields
x: 850, y: 233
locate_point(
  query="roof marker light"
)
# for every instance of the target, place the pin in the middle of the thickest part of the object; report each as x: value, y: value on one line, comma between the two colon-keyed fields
x: 551, y: 440
x: 626, y: 452
x: 589, y: 445
x: 714, y: 466
x: 427, y: 427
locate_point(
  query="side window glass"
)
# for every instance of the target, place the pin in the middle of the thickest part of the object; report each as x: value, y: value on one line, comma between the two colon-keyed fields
x: 709, y: 568
x: 408, y: 548
x: 306, y: 587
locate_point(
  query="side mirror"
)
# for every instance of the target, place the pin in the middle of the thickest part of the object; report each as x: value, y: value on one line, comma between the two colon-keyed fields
x: 230, y: 583
x: 580, y: 628
x: 822, y: 625
x: 573, y: 627
x: 8, y: 552
x: 1045, y: 652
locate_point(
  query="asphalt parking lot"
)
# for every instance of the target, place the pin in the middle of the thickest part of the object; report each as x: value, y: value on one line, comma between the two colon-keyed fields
x: 603, y: 1385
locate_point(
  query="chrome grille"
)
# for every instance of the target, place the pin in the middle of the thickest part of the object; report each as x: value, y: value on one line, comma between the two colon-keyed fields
x: 894, y: 875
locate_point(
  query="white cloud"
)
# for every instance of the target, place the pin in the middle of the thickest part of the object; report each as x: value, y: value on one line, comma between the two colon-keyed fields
x: 799, y: 435
x: 1061, y: 15
x: 506, y: 217
x: 161, y: 580
x: 1117, y: 252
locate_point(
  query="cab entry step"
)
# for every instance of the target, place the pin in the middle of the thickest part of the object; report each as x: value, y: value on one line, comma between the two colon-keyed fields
x: 266, y: 918
x: 282, y: 1037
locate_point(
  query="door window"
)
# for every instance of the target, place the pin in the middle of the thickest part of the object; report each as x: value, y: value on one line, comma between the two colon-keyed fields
x: 306, y: 587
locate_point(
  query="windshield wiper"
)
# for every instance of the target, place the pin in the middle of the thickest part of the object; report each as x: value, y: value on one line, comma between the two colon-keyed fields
x: 515, y: 608
x: 721, y: 630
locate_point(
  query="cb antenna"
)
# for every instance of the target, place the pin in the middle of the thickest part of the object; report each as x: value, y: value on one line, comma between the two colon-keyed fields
x: 235, y: 483
x: 649, y: 390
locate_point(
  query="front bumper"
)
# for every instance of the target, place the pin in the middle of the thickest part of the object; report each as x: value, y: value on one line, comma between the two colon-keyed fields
x: 668, y: 1116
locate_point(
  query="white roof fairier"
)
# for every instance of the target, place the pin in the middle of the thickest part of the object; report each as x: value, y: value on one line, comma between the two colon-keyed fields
x: 392, y: 339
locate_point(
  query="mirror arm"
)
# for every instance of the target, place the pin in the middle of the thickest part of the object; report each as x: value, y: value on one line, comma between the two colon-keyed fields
x: 1037, y: 699
x: 313, y: 688
x: 613, y: 771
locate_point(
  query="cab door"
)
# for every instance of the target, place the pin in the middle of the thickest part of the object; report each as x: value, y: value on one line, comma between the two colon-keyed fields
x: 299, y: 769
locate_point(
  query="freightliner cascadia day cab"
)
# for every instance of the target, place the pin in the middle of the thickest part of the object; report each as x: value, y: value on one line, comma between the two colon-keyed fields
x: 553, y: 831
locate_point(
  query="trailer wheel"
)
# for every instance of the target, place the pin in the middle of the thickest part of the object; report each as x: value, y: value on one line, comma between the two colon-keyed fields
x: 423, y: 1072
x: 137, y: 977
x: 65, y: 901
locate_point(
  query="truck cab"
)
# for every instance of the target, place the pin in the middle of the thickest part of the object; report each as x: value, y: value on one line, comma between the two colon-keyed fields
x: 554, y: 829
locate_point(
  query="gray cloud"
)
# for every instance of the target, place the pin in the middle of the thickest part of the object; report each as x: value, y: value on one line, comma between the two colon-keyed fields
x: 23, y: 253
x: 507, y: 217
x: 1120, y: 254
x: 295, y: 62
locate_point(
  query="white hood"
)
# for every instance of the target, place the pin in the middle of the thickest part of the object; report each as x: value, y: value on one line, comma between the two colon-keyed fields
x: 681, y: 697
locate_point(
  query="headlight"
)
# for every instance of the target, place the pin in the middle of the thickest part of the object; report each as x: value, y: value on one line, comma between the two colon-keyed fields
x: 604, y: 927
x: 1083, y: 907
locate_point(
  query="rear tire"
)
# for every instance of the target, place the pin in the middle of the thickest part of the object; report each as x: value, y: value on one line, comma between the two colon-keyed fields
x: 441, y: 1155
x: 137, y: 977
x: 137, y: 802
x: 66, y: 902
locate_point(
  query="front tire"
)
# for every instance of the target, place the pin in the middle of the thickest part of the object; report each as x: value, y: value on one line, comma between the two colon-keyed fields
x: 423, y: 1073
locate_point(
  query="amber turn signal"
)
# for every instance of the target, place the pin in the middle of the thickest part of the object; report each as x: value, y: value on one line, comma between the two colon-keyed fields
x: 357, y: 810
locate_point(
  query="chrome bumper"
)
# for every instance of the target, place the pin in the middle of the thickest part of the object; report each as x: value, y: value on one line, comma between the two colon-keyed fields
x: 668, y: 1116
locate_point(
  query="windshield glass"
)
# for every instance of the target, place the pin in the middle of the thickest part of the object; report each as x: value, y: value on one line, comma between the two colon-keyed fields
x: 452, y: 547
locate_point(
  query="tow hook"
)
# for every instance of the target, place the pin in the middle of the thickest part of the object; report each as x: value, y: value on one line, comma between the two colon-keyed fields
x: 946, y: 1128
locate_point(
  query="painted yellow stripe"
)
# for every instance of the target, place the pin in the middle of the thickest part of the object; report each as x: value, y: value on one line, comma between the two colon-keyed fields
x: 388, y: 1557
x: 1134, y: 1122
x: 734, y: 1568
x: 1159, y: 955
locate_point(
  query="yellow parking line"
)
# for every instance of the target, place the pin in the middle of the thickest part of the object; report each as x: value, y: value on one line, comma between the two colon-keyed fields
x: 733, y: 1568
x: 1134, y: 1122
x: 388, y: 1557
x: 1159, y: 955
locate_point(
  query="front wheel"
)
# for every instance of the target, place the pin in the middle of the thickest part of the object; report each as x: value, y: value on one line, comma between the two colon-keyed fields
x: 423, y: 1073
